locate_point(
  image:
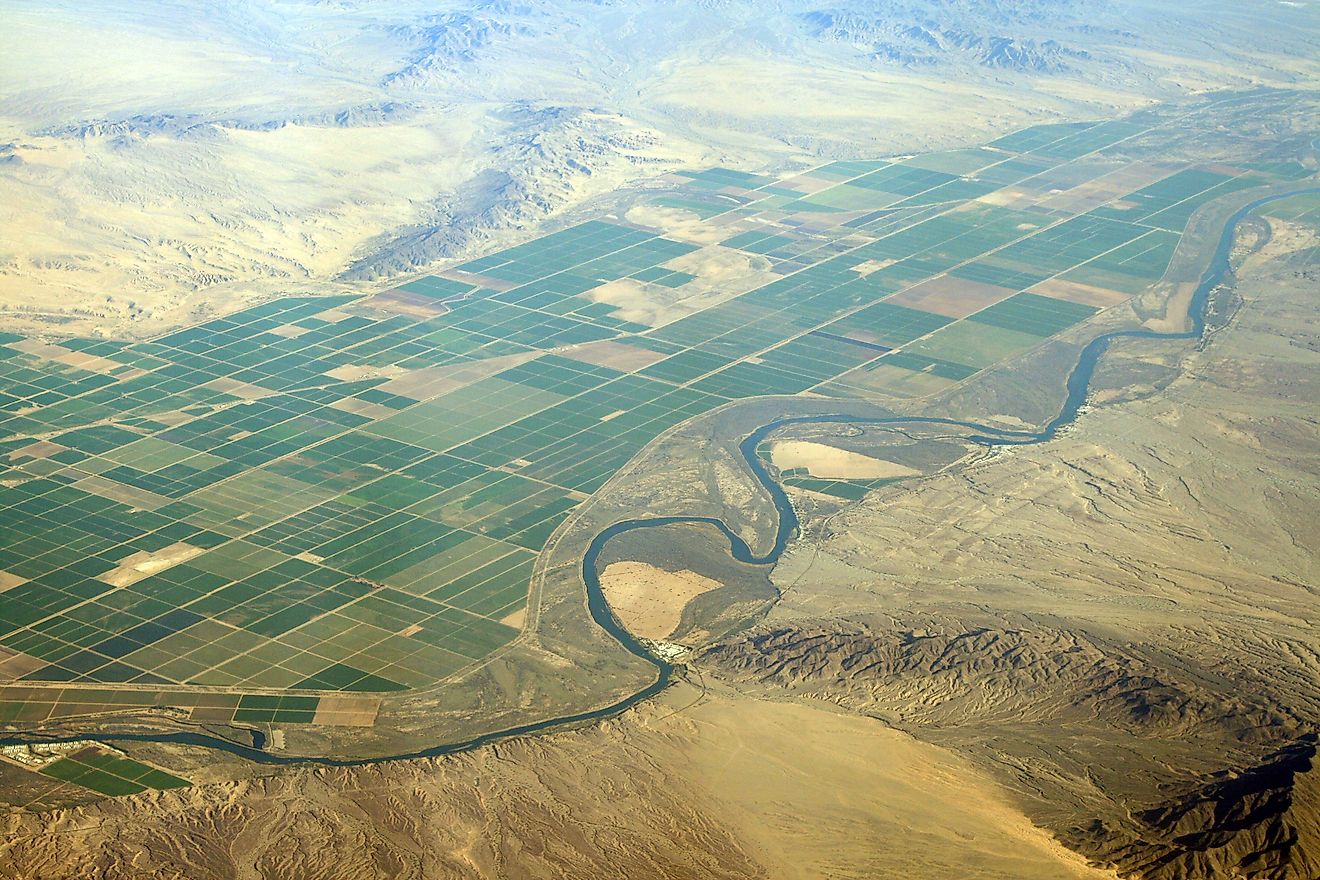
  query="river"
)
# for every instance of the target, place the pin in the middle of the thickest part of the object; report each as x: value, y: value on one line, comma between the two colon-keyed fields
x: 1078, y: 387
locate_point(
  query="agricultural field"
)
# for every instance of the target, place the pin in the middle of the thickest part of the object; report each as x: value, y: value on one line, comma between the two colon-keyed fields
x: 81, y: 770
x: 109, y: 774
x: 280, y: 515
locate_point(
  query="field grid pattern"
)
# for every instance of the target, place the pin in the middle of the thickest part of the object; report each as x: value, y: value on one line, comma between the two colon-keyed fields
x: 324, y: 496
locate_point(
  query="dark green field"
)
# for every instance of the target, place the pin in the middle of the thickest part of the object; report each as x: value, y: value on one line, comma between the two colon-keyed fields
x: 108, y: 774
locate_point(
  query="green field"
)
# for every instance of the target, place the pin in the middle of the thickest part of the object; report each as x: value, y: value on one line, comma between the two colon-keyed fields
x: 109, y: 774
x: 349, y: 493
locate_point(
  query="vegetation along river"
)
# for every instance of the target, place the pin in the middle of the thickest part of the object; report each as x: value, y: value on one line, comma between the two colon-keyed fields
x: 1078, y: 386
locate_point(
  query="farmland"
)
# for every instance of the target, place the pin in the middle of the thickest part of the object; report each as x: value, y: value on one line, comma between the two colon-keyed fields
x: 283, y: 515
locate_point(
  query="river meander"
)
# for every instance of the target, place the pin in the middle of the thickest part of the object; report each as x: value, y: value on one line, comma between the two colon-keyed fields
x: 1077, y: 389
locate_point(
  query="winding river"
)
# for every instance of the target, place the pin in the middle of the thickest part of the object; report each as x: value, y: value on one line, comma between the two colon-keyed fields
x: 1078, y: 387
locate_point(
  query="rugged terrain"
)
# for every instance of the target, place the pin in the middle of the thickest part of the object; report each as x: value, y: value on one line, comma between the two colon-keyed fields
x: 696, y: 785
x: 1121, y: 622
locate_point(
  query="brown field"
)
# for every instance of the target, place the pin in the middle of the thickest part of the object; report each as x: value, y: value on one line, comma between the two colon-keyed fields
x: 1094, y: 193
x: 895, y: 381
x: 142, y: 564
x: 81, y: 360
x: 806, y: 184
x: 649, y: 601
x: 361, y: 408
x: 951, y: 297
x: 832, y: 463
x: 40, y: 449
x: 1072, y: 291
x: 881, y: 804
x: 402, y: 302
x: 632, y: 298
x: 614, y: 355
x: 356, y: 372
x: 1014, y: 197
x: 140, y: 499
x: 485, y: 281
x: 237, y: 388
x: 1177, y: 297
x: 288, y: 331
x: 347, y: 711
x: 426, y: 382
x: 18, y: 665
x: 516, y: 619
x: 679, y: 224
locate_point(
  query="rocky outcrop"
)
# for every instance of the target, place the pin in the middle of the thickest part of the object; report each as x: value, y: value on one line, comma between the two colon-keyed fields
x: 948, y: 673
x: 580, y: 804
x: 1074, y: 720
x: 1259, y: 822
x: 919, y: 34
x: 548, y: 157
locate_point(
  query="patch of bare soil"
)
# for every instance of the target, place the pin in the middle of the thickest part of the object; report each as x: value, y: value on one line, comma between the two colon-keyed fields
x: 832, y: 463
x: 648, y: 600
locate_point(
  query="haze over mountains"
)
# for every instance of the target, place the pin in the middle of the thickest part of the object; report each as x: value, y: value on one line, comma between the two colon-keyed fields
x: 162, y: 162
